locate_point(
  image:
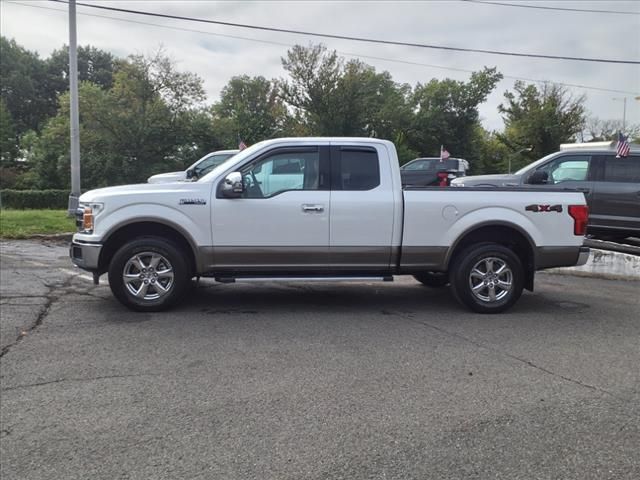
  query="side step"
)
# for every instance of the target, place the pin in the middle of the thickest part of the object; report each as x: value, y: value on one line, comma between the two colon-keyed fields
x: 388, y: 278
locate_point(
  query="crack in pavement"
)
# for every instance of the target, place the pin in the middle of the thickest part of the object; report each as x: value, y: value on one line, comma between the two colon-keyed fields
x: 51, y: 297
x: 485, y: 346
x: 88, y: 379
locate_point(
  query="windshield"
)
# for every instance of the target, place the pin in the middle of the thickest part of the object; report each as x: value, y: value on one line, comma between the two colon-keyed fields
x: 237, y: 157
x: 420, y: 165
x: 533, y: 165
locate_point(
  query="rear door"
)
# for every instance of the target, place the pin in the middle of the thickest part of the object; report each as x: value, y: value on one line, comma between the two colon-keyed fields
x: 362, y: 210
x: 616, y: 199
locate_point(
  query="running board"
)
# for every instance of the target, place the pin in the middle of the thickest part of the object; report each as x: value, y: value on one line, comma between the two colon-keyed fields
x: 388, y: 278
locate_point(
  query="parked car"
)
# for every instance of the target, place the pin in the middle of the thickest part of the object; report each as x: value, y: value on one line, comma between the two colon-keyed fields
x: 610, y: 185
x: 431, y: 171
x: 197, y: 170
x: 323, y: 208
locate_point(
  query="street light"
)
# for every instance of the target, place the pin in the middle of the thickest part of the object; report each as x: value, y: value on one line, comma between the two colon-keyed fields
x: 525, y: 149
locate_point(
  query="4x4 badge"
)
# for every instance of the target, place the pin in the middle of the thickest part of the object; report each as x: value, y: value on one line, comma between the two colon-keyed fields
x: 543, y: 208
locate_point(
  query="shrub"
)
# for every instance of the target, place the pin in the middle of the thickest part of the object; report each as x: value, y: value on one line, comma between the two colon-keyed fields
x: 32, y: 199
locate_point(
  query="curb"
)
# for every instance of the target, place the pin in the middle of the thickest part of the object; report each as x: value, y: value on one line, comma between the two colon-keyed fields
x: 605, y: 264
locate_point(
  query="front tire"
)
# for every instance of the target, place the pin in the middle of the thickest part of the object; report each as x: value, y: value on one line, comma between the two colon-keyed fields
x: 487, y: 278
x: 149, y: 274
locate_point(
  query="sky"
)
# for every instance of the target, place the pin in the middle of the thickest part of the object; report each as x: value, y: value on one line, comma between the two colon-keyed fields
x: 216, y: 53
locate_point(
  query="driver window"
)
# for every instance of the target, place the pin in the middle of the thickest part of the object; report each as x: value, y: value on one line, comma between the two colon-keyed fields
x: 573, y: 168
x: 282, y: 172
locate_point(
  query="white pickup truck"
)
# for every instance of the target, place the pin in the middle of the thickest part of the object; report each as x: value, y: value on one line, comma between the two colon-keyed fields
x: 324, y: 208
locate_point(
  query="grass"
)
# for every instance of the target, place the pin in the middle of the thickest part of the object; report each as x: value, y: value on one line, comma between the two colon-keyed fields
x: 24, y: 223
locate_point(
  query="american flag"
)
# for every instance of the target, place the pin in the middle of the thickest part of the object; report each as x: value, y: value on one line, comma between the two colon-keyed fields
x: 241, y: 145
x: 443, y: 153
x: 623, y: 147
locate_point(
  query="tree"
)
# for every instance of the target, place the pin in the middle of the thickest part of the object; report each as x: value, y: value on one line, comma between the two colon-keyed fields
x: 542, y: 117
x: 334, y: 97
x: 23, y: 86
x: 597, y: 130
x: 8, y: 144
x: 94, y: 65
x: 447, y: 114
x: 249, y: 108
x: 149, y: 121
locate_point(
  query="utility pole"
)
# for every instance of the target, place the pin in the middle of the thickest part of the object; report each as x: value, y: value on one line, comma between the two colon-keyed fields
x: 624, y: 111
x: 75, y: 122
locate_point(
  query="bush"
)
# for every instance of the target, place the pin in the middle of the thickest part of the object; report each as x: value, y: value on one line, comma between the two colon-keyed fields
x: 32, y: 199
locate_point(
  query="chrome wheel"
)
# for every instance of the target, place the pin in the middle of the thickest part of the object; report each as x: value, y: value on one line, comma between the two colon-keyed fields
x: 491, y: 279
x: 148, y: 276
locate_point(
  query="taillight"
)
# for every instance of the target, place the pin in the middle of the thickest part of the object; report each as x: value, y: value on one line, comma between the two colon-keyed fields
x: 580, y: 215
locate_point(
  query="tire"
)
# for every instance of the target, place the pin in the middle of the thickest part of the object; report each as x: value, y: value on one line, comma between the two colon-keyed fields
x: 150, y: 262
x: 495, y: 272
x: 433, y: 279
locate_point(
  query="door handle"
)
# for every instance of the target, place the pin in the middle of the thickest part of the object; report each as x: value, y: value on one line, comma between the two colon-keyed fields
x: 313, y: 208
x: 583, y: 190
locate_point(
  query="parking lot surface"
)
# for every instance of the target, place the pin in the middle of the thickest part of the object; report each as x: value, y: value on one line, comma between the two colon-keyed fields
x: 314, y: 381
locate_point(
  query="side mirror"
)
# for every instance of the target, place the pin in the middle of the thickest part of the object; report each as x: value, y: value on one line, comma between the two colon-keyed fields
x: 190, y: 174
x: 539, y: 177
x: 232, y: 186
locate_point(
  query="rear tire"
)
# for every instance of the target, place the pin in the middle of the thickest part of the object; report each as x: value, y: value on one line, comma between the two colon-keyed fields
x: 433, y: 279
x: 149, y: 274
x: 487, y: 278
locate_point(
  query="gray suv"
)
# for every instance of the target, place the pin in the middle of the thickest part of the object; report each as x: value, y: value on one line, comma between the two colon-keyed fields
x: 611, y: 185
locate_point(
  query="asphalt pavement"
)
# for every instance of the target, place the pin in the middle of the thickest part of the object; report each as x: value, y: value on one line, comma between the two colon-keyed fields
x: 314, y: 381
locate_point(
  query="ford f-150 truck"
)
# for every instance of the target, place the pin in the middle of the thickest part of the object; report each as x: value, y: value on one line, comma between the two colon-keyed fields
x: 324, y: 208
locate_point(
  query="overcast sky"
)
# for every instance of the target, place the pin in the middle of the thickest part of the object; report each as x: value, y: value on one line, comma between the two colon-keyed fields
x: 216, y: 57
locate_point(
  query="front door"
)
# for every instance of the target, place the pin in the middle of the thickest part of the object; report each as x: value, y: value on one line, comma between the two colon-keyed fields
x: 281, y: 222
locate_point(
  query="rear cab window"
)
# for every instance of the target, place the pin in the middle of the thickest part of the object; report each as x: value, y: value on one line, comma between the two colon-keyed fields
x: 354, y: 168
x: 621, y: 170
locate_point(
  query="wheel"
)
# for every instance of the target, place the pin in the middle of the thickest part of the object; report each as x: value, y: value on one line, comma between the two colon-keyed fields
x: 433, y: 279
x: 487, y: 278
x: 149, y: 274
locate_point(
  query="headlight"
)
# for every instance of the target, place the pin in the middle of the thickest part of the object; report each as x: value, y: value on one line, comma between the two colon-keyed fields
x: 85, y: 217
x: 457, y: 184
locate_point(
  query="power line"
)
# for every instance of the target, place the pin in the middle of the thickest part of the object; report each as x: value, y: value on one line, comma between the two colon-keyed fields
x: 355, y: 39
x: 349, y: 54
x: 565, y: 9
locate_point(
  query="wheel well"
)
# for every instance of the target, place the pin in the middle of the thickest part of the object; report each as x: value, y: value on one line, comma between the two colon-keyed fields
x: 504, y: 235
x: 143, y: 229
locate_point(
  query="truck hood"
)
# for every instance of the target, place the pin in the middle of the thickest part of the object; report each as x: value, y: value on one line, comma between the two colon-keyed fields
x: 168, y: 177
x: 502, y: 180
x: 150, y: 189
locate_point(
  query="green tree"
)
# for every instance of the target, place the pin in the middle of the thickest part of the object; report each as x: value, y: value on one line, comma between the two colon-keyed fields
x: 8, y: 143
x: 541, y: 117
x: 23, y: 86
x: 150, y: 120
x: 334, y: 97
x: 94, y: 65
x: 249, y: 108
x: 447, y: 114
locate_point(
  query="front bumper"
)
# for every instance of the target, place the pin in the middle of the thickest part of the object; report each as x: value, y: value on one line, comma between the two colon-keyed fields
x: 85, y: 255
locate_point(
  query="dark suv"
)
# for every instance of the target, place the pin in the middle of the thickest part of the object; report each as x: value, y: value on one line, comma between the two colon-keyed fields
x: 611, y: 185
